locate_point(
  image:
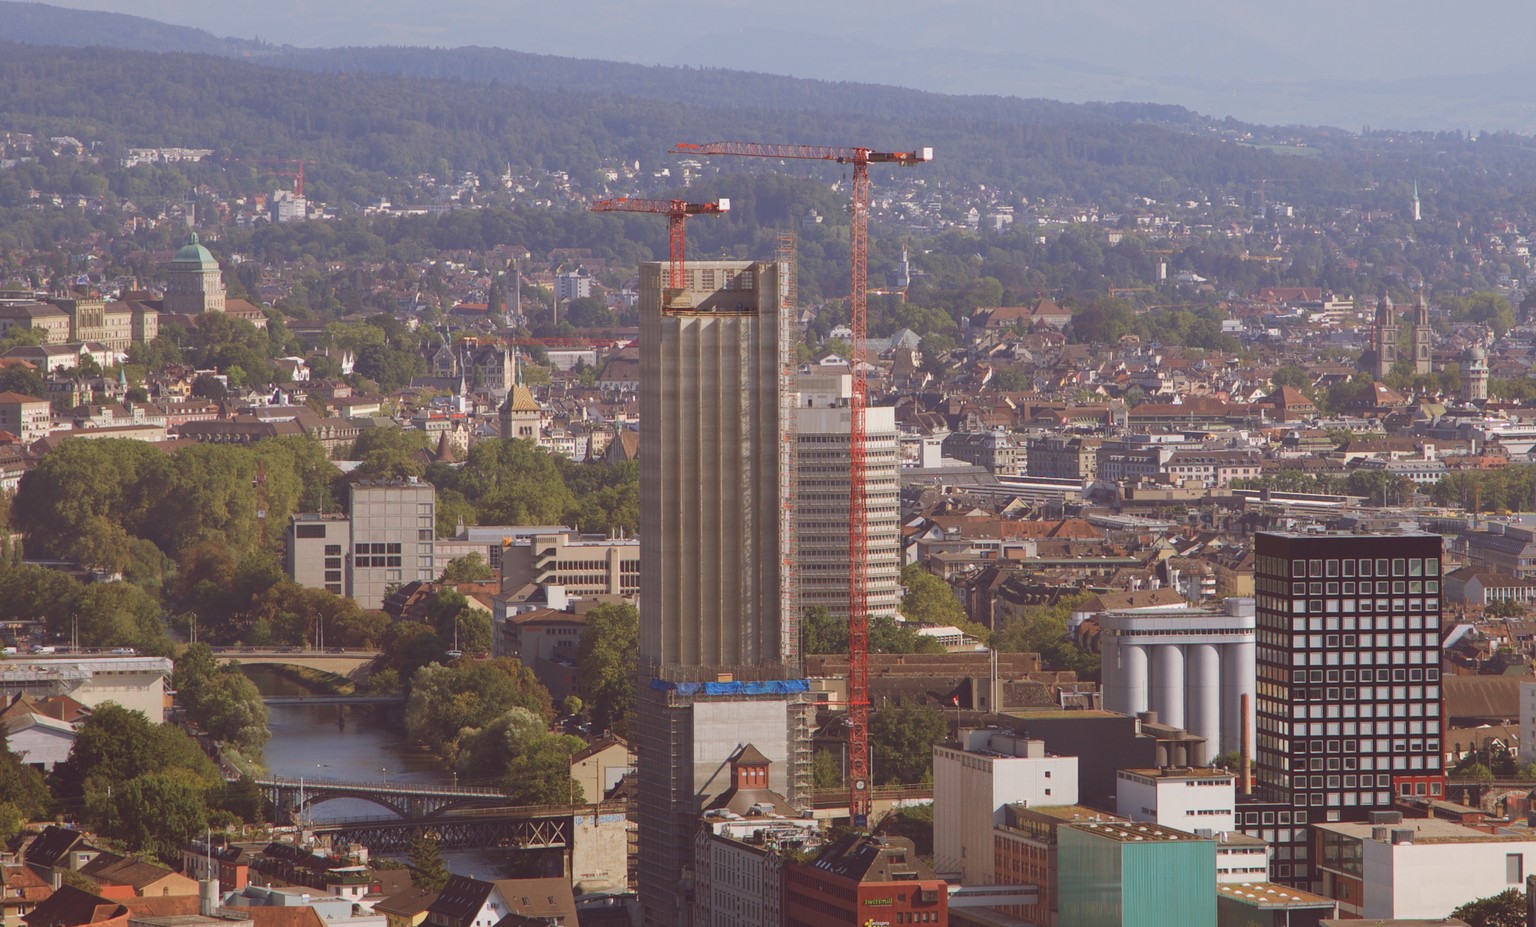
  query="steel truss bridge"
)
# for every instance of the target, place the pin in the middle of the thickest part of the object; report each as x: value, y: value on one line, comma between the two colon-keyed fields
x: 545, y: 827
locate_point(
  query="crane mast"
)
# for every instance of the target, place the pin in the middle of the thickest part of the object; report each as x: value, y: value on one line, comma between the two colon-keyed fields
x: 858, y: 505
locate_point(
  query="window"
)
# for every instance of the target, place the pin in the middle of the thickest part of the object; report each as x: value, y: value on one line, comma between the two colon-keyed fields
x: 309, y: 531
x: 1514, y: 868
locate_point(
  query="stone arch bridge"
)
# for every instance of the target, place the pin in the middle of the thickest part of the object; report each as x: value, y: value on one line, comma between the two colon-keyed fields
x: 350, y: 663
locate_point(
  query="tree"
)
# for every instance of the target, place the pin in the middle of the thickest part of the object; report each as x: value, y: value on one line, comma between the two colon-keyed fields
x: 23, y: 380
x: 242, y: 798
x: 540, y: 774
x: 829, y: 773
x: 823, y: 632
x: 606, y: 664
x: 23, y: 794
x: 207, y: 386
x: 114, y: 745
x: 159, y: 814
x: 901, y: 737
x: 1505, y: 608
x: 230, y: 709
x: 1506, y: 909
x: 1042, y: 629
x: 428, y: 870
x: 470, y: 568
x: 929, y: 599
x: 1292, y: 376
x: 450, y: 703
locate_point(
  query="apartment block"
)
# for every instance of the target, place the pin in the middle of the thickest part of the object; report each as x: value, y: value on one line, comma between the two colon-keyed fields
x: 386, y: 539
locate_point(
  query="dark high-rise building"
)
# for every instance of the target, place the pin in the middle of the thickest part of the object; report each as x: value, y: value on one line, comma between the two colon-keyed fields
x: 1348, y: 686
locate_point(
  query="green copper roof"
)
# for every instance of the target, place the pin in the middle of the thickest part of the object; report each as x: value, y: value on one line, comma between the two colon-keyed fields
x: 194, y: 253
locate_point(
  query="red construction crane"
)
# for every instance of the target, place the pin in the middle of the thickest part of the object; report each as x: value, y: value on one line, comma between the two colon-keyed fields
x: 297, y: 174
x: 858, y: 517
x: 677, y: 213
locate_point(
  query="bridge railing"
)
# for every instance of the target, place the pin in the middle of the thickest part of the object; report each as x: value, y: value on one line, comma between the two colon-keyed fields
x: 509, y: 811
x: 293, y: 652
x: 396, y: 788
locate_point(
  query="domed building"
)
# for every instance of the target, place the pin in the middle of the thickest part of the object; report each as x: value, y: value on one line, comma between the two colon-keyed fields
x: 1474, y: 374
x: 194, y: 283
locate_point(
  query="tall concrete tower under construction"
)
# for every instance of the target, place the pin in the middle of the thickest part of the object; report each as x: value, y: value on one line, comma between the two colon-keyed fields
x: 719, y: 662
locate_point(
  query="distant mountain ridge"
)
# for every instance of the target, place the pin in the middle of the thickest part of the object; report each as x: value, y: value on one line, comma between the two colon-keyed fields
x: 44, y: 24
x: 1481, y: 92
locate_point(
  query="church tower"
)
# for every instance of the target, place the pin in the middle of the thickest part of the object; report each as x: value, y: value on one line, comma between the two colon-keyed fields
x: 193, y: 283
x: 520, y: 414
x: 1423, y: 337
x: 1385, y: 337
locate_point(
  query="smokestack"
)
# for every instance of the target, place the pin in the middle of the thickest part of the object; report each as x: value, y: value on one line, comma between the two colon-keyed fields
x: 1245, y: 748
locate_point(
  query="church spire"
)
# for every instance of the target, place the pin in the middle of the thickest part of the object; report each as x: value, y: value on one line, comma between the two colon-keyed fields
x: 1423, y: 336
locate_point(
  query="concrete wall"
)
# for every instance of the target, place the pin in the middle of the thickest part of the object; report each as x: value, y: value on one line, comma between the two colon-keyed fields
x: 1192, y: 667
x: 600, y: 850
x: 1103, y: 743
x: 134, y: 691
x: 821, y: 495
x: 38, y: 745
x: 1429, y: 880
x: 1527, y: 720
x: 719, y: 728
x: 384, y: 515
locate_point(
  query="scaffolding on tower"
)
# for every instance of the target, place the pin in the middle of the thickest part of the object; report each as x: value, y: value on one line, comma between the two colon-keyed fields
x: 858, y: 515
x: 789, y: 585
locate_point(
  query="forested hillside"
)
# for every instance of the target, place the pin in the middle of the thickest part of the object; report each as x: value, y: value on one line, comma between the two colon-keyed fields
x: 401, y: 125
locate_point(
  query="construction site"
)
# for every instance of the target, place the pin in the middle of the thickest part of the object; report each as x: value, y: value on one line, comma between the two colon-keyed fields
x: 721, y: 668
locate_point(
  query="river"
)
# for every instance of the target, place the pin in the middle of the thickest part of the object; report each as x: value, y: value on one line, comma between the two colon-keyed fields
x: 361, y: 744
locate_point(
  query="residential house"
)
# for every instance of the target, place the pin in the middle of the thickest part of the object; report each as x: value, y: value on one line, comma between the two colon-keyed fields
x: 121, y: 877
x: 470, y: 902
x: 22, y: 891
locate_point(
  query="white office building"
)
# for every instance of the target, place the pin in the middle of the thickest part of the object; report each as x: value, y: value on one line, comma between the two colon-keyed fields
x: 1191, y: 666
x: 975, y: 780
x: 1418, y: 868
x: 821, y: 497
x: 1198, y: 801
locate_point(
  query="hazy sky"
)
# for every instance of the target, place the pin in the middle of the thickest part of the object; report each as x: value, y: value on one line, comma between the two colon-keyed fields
x: 1228, y: 53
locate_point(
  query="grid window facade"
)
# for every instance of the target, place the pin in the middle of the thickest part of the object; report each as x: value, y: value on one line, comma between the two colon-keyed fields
x: 1348, y: 683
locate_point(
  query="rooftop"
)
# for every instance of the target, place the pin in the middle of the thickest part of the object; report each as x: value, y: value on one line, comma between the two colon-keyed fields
x: 1270, y: 895
x: 1182, y: 772
x: 1130, y: 831
x: 1426, y: 830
